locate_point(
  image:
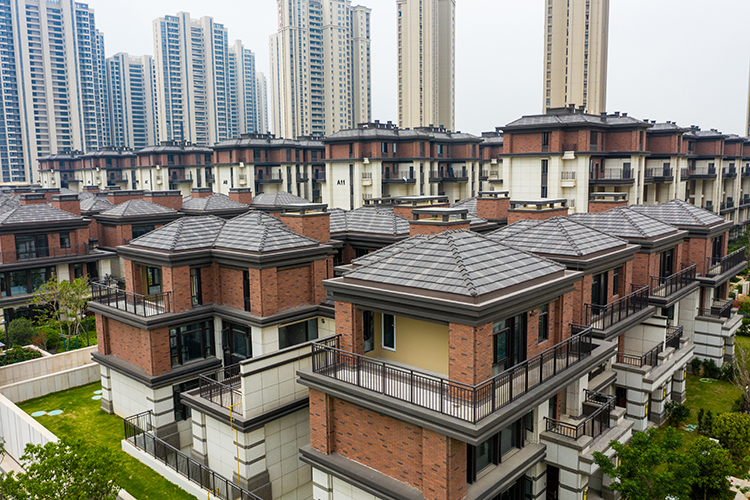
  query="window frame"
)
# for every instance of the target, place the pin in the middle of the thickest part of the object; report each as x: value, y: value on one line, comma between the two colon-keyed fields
x: 382, y: 332
x: 206, y: 329
x: 65, y: 239
x: 543, y: 321
x: 196, y: 289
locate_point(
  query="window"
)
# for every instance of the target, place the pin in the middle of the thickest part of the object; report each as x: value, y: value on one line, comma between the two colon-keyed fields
x: 64, y: 240
x: 545, y: 176
x: 543, y: 323
x: 237, y: 342
x: 153, y: 280
x: 298, y: 333
x: 191, y: 342
x: 491, y: 452
x: 31, y: 247
x: 388, y: 337
x: 666, y: 267
x: 368, y: 330
x: 593, y: 141
x: 141, y: 230
x: 599, y: 289
x: 384, y: 148
x: 246, y: 289
x: 509, y: 342
x: 545, y: 142
x: 77, y: 271
x: 195, y: 285
x: 182, y: 412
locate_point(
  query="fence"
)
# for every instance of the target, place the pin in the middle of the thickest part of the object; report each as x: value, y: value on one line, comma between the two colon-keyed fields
x: 43, y: 252
x: 717, y: 266
x: 222, y: 386
x: 594, y: 425
x: 666, y: 286
x: 138, y: 432
x: 651, y: 358
x: 471, y: 403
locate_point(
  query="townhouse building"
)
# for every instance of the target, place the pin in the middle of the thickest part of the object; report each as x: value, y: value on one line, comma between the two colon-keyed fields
x: 39, y: 241
x: 378, y: 160
x: 215, y: 318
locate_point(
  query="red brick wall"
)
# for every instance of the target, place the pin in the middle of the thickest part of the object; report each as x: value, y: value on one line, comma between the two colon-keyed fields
x: 422, y: 228
x: 621, y: 141
x: 349, y: 326
x: 469, y: 352
x: 8, y: 248
x: 230, y: 292
x: 493, y: 208
x: 662, y: 144
x: 133, y: 280
x: 443, y: 466
x: 321, y: 270
x: 146, y: 349
x: 708, y: 147
x: 173, y: 201
x: 72, y: 206
x: 316, y: 226
x: 294, y: 287
x: 177, y: 281
x: 597, y: 207
x: 514, y: 215
x: 347, y: 254
x: 321, y: 421
x: 210, y: 284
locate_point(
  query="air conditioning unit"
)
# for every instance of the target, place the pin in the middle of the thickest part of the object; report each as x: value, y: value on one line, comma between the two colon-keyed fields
x: 366, y: 161
x: 242, y: 165
x: 158, y: 167
x: 494, y: 161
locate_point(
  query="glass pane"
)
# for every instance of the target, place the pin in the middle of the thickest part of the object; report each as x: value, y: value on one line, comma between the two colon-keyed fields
x: 292, y: 334
x: 239, y: 346
x: 484, y: 455
x: 506, y: 439
x: 38, y: 277
x: 312, y: 329
x: 501, y: 346
x: 389, y: 333
x: 18, y: 283
x: 191, y: 345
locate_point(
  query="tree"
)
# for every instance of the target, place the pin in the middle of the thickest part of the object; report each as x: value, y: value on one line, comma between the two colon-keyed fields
x: 647, y: 466
x: 741, y: 379
x: 64, y: 470
x: 733, y: 432
x: 705, y: 466
x: 20, y: 331
x: 64, y: 301
x: 676, y: 413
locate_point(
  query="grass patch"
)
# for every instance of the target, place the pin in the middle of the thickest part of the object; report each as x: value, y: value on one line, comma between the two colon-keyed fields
x: 716, y: 396
x: 83, y: 418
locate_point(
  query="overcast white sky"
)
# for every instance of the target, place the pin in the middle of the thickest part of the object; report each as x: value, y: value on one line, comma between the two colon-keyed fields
x: 681, y: 60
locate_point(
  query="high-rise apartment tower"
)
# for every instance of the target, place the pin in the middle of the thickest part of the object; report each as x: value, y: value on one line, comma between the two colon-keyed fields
x: 320, y: 67
x: 54, y: 92
x: 132, y: 105
x: 426, y: 63
x: 575, y: 59
x: 244, y: 113
x: 261, y: 98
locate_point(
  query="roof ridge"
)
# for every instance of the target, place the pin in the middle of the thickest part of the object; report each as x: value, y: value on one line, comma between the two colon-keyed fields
x: 565, y: 233
x: 687, y: 211
x: 632, y: 223
x: 175, y: 238
x: 449, y: 235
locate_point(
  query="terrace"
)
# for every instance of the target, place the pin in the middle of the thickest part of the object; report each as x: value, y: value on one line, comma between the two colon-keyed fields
x: 597, y: 408
x: 704, y: 172
x: 651, y: 358
x: 43, y: 252
x: 141, y: 305
x: 614, y: 314
x: 470, y: 403
x: 612, y: 176
x: 719, y: 266
x: 664, y: 290
x: 658, y: 175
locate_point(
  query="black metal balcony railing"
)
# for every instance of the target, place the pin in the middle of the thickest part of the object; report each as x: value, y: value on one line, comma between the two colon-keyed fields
x: 674, y: 334
x: 45, y: 253
x: 666, y: 286
x: 470, y: 403
x: 744, y: 201
x: 621, y: 173
x: 719, y: 309
x: 319, y: 176
x: 717, y: 266
x: 603, y: 317
x: 138, y: 431
x: 651, y: 358
x: 726, y: 205
x: 745, y: 171
x: 400, y: 176
x: 702, y: 171
x: 729, y: 172
x: 222, y: 386
x: 659, y: 172
x: 594, y: 425
x: 142, y: 305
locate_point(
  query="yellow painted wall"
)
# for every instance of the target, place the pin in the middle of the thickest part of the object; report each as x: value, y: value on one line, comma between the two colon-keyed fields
x: 419, y: 344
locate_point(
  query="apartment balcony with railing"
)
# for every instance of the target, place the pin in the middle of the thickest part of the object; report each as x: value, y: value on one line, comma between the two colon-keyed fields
x: 612, y: 176
x: 372, y: 378
x: 41, y: 253
x: 449, y: 174
x: 728, y: 266
x: 222, y: 387
x: 659, y: 175
x: 702, y: 172
x: 745, y: 171
x: 484, y: 175
x: 744, y: 201
x: 319, y: 176
x: 609, y: 319
x: 303, y: 177
x: 664, y: 290
x: 495, y: 176
x: 727, y: 206
x: 718, y: 309
x: 729, y: 172
x: 398, y: 177
x: 105, y: 294
x: 652, y: 358
x: 274, y: 177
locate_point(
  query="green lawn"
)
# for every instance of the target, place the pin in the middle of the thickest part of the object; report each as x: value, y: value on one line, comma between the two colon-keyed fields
x: 716, y: 396
x: 83, y: 418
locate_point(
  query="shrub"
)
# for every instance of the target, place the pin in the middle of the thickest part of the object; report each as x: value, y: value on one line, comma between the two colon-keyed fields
x: 733, y: 432
x: 741, y: 405
x: 676, y: 413
x: 710, y: 369
x: 726, y: 372
x: 20, y: 331
x: 18, y: 354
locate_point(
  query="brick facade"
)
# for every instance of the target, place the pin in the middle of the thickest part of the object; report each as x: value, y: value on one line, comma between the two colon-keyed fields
x: 429, y: 227
x: 596, y: 206
x: 516, y: 214
x: 493, y: 208
x: 147, y: 349
x: 314, y: 225
x: 469, y: 353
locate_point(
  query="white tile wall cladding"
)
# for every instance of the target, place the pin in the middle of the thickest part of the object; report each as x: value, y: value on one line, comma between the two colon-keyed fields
x: 129, y: 397
x: 275, y: 387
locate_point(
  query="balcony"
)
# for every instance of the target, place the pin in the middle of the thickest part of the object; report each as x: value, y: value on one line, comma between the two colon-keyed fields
x: 42, y: 253
x: 134, y: 303
x: 605, y: 317
x: 663, y: 288
x: 470, y: 403
x: 651, y: 358
x: 597, y: 409
x: 448, y: 174
x: 272, y: 178
x: 400, y: 177
x: 612, y: 176
x: 745, y: 171
x: 719, y: 309
x: 719, y: 266
x: 702, y: 173
x: 674, y: 335
x: 222, y: 387
x: 729, y: 172
x: 659, y: 175
x: 744, y: 201
x: 319, y: 176
x: 495, y: 177
x: 303, y: 177
x: 484, y: 175
x: 727, y: 206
